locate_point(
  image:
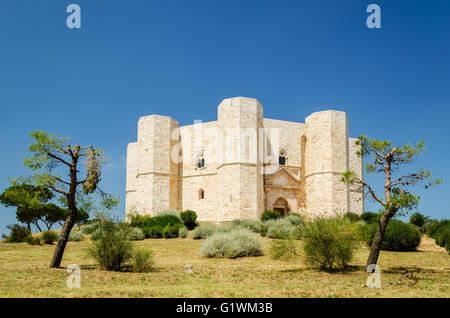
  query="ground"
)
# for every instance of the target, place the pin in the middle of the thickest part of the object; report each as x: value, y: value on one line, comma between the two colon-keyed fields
x: 24, y: 272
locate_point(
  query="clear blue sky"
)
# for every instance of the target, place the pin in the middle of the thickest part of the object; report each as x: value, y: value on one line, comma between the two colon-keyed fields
x: 181, y: 58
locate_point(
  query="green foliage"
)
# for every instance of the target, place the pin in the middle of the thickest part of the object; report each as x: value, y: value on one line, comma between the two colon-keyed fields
x: 155, y: 231
x: 112, y: 249
x: 269, y: 215
x: 76, y: 236
x: 135, y: 234
x: 440, y: 231
x: 183, y: 232
x: 18, y: 234
x: 281, y: 229
x: 283, y: 249
x: 370, y: 217
x: 90, y: 228
x: 49, y: 237
x: 252, y: 225
x: 352, y: 217
x: 233, y: 244
x: 171, y: 231
x: 143, y: 260
x: 207, y: 230
x: 294, y: 218
x: 418, y: 220
x: 330, y: 244
x: 189, y: 219
x: 34, y: 240
x: 399, y: 236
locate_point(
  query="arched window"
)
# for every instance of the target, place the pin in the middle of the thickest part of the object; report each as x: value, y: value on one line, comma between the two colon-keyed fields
x: 200, y: 162
x: 201, y: 194
x: 282, y: 159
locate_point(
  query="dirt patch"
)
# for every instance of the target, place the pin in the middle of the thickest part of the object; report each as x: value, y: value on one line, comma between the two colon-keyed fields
x: 428, y: 244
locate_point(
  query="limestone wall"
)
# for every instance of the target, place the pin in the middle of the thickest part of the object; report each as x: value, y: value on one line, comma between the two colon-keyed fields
x: 356, y: 165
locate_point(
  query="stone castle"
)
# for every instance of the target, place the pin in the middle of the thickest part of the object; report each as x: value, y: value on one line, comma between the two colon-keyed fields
x: 243, y: 164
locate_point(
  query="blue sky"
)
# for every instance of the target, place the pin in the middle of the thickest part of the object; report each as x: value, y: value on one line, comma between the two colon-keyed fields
x: 181, y: 58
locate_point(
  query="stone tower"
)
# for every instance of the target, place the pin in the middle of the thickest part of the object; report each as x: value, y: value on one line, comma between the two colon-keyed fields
x: 326, y: 158
x: 155, y: 185
x: 239, y: 168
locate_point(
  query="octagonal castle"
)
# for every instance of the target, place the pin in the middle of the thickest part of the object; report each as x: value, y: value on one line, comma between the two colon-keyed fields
x: 242, y: 164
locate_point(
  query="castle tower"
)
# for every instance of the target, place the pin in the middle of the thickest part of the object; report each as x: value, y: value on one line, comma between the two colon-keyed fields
x: 155, y: 187
x: 326, y: 159
x: 239, y: 164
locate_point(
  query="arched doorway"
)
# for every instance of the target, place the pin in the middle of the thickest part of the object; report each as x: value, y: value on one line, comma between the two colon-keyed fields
x: 281, y: 206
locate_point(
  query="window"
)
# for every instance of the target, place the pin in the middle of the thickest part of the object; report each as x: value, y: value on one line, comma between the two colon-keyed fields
x: 200, y: 162
x: 201, y: 194
x: 282, y: 159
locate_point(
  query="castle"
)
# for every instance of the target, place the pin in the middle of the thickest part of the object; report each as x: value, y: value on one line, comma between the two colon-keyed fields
x: 243, y: 164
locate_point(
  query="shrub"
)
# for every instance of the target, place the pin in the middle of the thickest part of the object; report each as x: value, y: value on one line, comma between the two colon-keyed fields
x: 135, y: 234
x: 18, y: 234
x: 49, y: 237
x: 153, y: 231
x: 183, y: 232
x: 281, y: 229
x: 370, y: 217
x: 90, y: 228
x: 76, y: 236
x: 399, y: 236
x: 443, y: 237
x: 283, y: 249
x: 112, y: 249
x: 171, y: 231
x: 352, y: 217
x: 189, y: 219
x: 295, y: 219
x: 252, y: 225
x: 143, y: 260
x: 330, y: 243
x: 34, y: 240
x: 269, y: 215
x: 233, y: 244
x: 436, y: 226
x: 206, y: 230
x: 418, y: 219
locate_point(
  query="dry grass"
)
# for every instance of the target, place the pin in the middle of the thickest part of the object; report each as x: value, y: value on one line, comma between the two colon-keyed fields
x: 24, y: 272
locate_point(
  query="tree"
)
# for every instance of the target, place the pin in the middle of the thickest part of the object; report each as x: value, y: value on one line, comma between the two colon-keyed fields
x: 28, y: 199
x: 388, y: 160
x: 52, y: 155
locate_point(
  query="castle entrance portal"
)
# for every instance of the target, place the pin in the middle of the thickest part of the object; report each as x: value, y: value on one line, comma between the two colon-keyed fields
x: 281, y: 206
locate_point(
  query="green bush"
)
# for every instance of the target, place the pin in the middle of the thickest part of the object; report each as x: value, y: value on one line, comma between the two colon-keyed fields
x: 189, y: 219
x: 295, y: 219
x: 18, y: 234
x: 143, y: 260
x: 399, y: 236
x: 76, y: 236
x: 283, y: 249
x: 330, y: 244
x: 183, y: 232
x: 34, y: 240
x: 443, y: 237
x: 281, y: 229
x: 135, y: 234
x: 112, y: 248
x: 370, y: 217
x: 252, y: 225
x: 435, y: 226
x: 270, y: 215
x: 155, y: 231
x: 418, y: 219
x: 171, y: 231
x: 49, y: 237
x: 89, y: 228
x: 233, y: 244
x: 352, y: 217
x: 207, y: 230
x: 169, y: 212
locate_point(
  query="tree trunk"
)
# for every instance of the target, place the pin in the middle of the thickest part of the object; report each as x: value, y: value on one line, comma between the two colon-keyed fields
x: 375, y: 248
x: 62, y: 240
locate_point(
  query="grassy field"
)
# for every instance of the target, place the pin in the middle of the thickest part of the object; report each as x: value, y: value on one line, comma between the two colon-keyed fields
x: 24, y: 272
